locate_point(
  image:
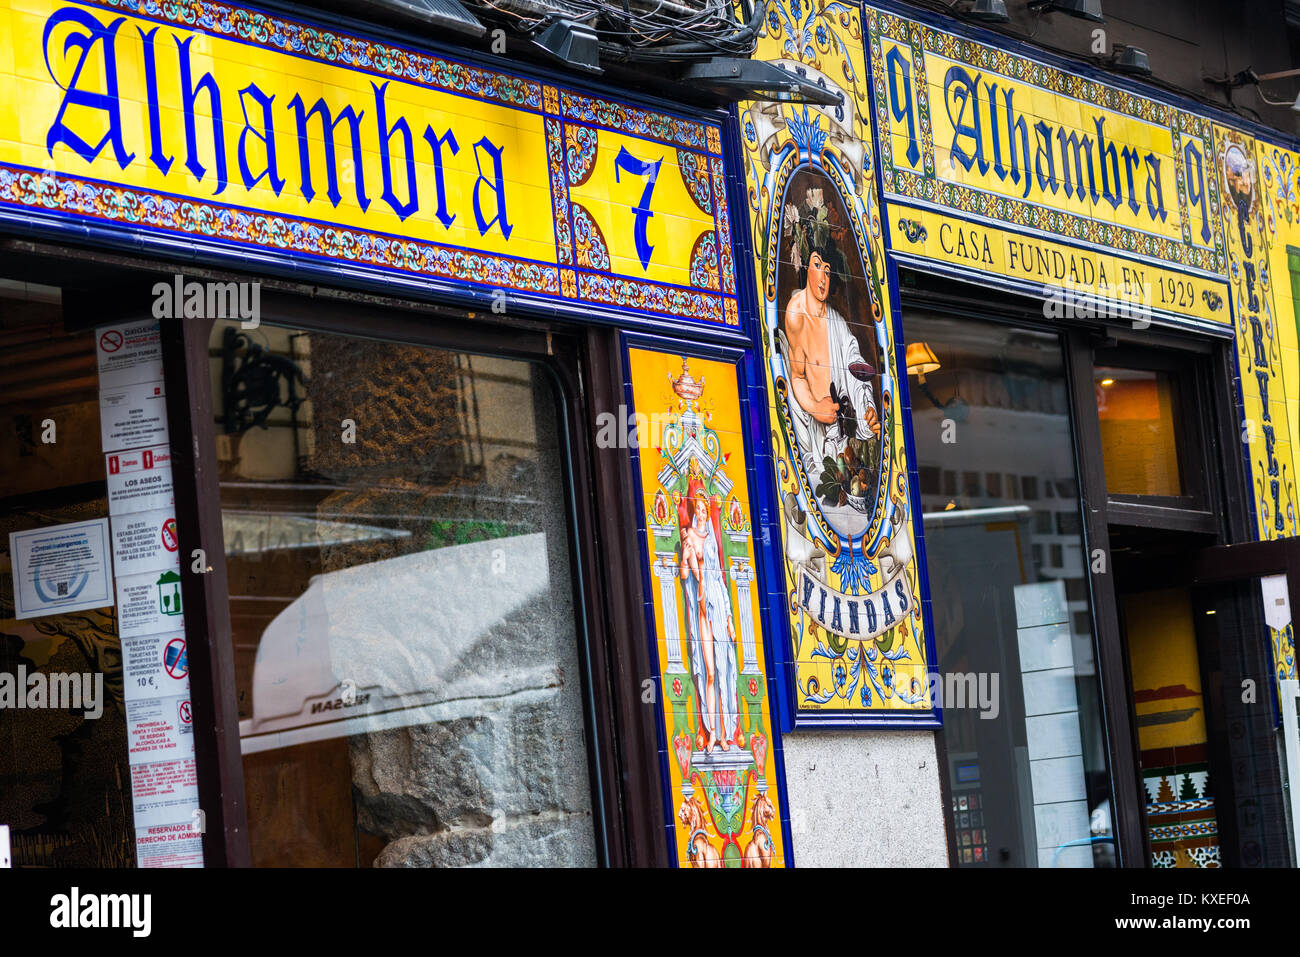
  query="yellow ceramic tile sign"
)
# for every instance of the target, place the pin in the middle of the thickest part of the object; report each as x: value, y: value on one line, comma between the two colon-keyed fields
x: 1080, y: 282
x: 1261, y: 183
x: 1003, y: 138
x: 1259, y: 300
x: 626, y: 173
x: 247, y: 129
x: 1080, y: 158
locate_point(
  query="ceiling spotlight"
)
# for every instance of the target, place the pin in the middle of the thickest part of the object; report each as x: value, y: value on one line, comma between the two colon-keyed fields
x: 573, y: 44
x: 1079, y: 9
x: 1132, y: 60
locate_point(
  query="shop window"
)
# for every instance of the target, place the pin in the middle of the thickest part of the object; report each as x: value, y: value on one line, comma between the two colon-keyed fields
x: 65, y: 779
x: 1028, y: 781
x: 1138, y: 411
x: 1067, y: 523
x: 401, y: 599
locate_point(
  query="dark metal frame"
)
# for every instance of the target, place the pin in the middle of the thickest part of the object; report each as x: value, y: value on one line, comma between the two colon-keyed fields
x: 1184, y: 361
x: 622, y: 755
x: 1209, y: 455
x: 217, y: 755
x: 586, y: 365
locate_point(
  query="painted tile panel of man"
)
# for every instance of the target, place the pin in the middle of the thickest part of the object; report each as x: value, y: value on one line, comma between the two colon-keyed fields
x: 831, y: 404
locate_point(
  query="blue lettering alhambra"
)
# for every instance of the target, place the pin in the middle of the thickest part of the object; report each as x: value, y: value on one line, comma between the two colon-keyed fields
x: 1113, y: 173
x: 991, y: 135
x: 90, y: 50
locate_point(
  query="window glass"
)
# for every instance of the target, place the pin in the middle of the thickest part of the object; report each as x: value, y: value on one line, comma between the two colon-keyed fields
x: 1138, y: 409
x: 1008, y: 580
x: 65, y: 778
x: 401, y: 599
x: 1165, y: 670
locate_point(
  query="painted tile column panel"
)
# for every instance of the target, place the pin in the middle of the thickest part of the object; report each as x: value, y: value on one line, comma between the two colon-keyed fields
x: 718, y: 760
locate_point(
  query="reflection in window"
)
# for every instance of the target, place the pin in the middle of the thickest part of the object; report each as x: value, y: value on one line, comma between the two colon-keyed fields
x: 1137, y: 411
x: 401, y: 603
x: 65, y: 776
x: 1165, y: 672
x: 1008, y: 583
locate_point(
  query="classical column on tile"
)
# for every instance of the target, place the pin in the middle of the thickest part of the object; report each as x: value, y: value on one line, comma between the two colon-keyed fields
x: 742, y: 573
x: 665, y: 570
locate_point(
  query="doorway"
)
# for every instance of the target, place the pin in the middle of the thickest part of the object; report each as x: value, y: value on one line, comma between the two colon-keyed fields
x: 1196, y: 628
x: 1190, y: 630
x: 1173, y: 652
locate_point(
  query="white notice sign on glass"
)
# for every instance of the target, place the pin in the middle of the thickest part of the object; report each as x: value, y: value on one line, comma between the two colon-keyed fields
x: 61, y: 568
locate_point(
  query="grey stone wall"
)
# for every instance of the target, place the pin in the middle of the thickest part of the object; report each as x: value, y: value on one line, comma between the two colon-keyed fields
x: 865, y: 799
x: 506, y: 788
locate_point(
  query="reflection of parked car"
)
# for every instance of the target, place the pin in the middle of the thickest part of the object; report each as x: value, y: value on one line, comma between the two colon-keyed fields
x: 408, y: 640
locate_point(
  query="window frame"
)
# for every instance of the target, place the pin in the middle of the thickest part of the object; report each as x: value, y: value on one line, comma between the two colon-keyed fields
x: 1192, y: 511
x: 1207, y: 365
x: 622, y: 755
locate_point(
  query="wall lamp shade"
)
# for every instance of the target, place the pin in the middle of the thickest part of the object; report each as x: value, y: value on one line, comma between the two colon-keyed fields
x: 573, y: 44
x: 1079, y: 9
x: 443, y: 14
x: 1132, y: 60
x: 989, y: 11
x: 921, y: 360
